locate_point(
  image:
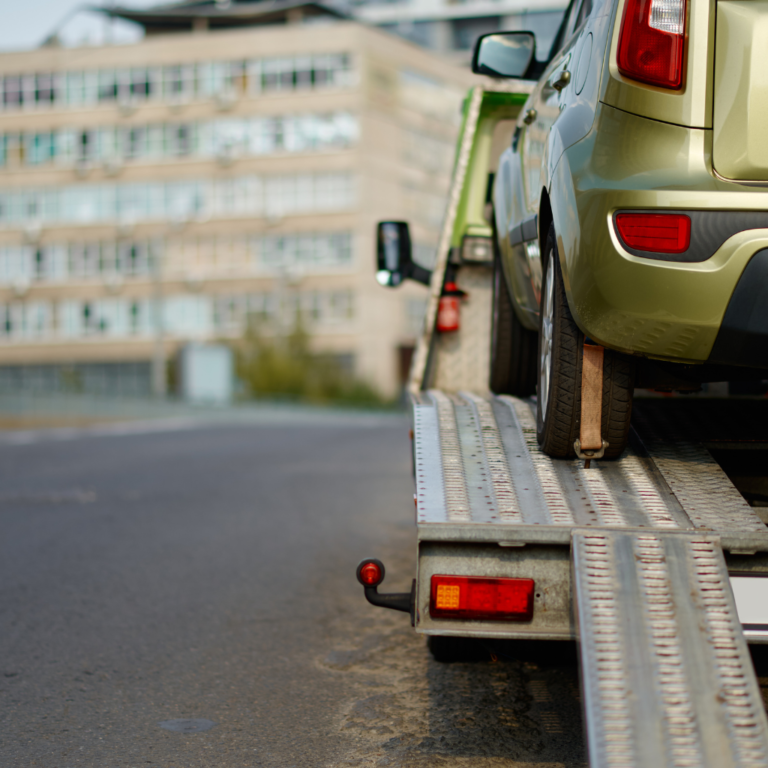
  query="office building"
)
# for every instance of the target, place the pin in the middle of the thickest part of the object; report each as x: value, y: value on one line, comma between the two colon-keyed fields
x: 451, y: 28
x: 174, y: 189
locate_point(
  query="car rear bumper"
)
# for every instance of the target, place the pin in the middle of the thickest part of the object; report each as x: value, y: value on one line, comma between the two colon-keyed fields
x: 645, y: 303
x: 743, y: 335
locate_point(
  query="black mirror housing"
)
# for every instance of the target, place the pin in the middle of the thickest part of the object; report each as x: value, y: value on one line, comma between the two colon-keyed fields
x: 393, y: 252
x: 504, y: 54
x: 394, y: 262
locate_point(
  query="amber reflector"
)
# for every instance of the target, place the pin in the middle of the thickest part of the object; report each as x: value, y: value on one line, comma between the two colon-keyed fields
x: 475, y: 597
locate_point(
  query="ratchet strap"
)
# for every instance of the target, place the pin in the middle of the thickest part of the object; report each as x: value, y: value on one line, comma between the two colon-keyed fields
x: 590, y: 444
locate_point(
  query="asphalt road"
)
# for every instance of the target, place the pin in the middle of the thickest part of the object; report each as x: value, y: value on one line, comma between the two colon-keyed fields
x: 206, y: 572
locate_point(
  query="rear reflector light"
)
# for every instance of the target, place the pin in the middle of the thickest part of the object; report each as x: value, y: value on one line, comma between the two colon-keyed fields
x: 655, y: 232
x: 652, y: 42
x: 473, y: 597
x: 370, y: 573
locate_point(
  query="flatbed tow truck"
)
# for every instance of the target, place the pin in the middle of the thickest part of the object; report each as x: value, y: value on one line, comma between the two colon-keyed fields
x: 655, y: 563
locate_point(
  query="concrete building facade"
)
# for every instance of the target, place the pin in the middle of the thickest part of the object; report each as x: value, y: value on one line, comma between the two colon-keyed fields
x: 451, y: 28
x: 175, y: 189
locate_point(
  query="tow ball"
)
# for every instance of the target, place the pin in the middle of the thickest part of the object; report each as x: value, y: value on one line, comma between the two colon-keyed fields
x: 370, y: 573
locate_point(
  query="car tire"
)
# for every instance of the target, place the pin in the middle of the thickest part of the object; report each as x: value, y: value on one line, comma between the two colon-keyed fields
x: 560, y: 352
x: 513, y: 347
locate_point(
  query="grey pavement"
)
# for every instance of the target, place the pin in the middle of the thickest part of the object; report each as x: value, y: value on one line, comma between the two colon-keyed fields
x: 192, y: 570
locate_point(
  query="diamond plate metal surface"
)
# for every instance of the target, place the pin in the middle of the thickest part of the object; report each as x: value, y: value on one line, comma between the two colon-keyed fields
x: 494, y: 477
x: 461, y: 359
x: 457, y: 508
x: 503, y: 485
x: 428, y: 464
x: 666, y: 675
x: 706, y: 494
x: 549, y: 482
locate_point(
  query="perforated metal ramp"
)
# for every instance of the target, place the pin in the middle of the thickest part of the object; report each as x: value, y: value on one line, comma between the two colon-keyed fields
x: 480, y: 476
x: 666, y: 675
x: 667, y: 679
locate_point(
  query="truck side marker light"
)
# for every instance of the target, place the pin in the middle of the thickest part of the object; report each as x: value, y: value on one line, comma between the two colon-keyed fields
x: 476, y: 597
x: 448, y: 309
x: 652, y: 42
x: 370, y: 573
x: 655, y: 232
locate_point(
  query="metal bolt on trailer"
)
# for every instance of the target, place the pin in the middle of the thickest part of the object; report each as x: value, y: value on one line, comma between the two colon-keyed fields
x: 637, y: 559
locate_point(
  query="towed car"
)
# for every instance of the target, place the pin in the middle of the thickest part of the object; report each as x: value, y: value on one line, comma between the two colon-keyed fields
x: 631, y: 208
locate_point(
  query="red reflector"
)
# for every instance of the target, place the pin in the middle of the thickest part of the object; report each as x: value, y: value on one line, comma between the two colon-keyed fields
x: 655, y: 232
x: 474, y: 597
x: 652, y: 42
x: 370, y: 574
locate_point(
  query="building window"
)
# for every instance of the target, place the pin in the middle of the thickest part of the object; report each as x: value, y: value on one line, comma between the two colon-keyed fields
x: 13, y: 94
x: 238, y: 196
x: 85, y: 146
x: 108, y: 85
x: 40, y: 270
x: 140, y: 83
x: 229, y: 137
x: 44, y: 89
x: 180, y: 140
x: 177, y: 81
x: 341, y: 305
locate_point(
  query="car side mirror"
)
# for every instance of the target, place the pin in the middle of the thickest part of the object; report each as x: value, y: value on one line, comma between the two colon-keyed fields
x: 504, y: 54
x: 393, y: 255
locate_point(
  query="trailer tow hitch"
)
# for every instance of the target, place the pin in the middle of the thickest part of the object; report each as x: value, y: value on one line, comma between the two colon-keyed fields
x: 370, y: 573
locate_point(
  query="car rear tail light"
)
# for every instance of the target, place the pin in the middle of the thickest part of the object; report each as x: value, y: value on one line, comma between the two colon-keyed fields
x: 652, y: 42
x: 474, y: 597
x: 655, y: 232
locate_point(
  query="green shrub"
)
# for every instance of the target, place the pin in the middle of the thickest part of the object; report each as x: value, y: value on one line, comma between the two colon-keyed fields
x: 286, y: 368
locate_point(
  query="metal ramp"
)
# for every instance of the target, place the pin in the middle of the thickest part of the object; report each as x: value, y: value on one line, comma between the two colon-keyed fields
x: 481, y: 477
x: 667, y: 679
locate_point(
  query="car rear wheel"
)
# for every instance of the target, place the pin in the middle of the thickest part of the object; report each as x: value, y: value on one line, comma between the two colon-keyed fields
x: 513, y: 347
x: 560, y: 351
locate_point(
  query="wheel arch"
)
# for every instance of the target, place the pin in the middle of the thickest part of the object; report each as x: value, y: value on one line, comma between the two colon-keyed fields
x: 545, y: 222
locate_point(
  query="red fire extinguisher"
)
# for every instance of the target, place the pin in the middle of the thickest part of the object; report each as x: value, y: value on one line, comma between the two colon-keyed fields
x: 448, y: 310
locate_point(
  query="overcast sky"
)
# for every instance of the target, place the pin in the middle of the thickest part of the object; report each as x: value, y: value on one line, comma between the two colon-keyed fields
x: 27, y: 22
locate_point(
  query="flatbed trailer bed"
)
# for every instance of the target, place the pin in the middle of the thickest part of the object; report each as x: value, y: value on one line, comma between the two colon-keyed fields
x: 655, y: 563
x: 481, y: 479
x: 630, y: 557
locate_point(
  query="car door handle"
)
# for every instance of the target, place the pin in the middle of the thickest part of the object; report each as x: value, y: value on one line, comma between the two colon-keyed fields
x: 562, y: 80
x: 530, y: 116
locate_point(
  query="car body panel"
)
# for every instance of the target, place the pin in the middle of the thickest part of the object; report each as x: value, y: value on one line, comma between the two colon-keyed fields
x: 605, y: 144
x: 740, y: 149
x: 523, y: 275
x: 562, y: 118
x: 638, y: 304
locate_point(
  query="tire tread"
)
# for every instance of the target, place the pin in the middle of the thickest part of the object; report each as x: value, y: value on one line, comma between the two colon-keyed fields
x: 559, y: 427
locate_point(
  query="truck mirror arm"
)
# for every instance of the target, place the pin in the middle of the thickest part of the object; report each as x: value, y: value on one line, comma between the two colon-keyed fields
x: 419, y: 274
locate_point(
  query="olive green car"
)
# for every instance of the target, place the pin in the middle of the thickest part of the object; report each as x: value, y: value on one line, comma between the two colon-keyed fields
x: 631, y: 209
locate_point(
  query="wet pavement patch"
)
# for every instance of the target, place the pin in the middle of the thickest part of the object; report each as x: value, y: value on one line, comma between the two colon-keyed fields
x: 187, y: 726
